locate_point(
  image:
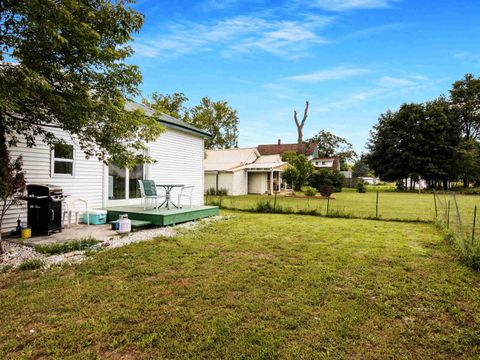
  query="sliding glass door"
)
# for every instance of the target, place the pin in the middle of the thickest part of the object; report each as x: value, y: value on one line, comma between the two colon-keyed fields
x: 123, y: 182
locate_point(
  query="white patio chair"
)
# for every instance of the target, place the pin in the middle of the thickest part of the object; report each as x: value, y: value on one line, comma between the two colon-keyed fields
x: 185, y: 192
x: 72, y: 208
x: 148, y: 191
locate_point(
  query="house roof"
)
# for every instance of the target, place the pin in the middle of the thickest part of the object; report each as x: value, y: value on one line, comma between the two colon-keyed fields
x: 238, y: 159
x: 335, y: 164
x: 272, y: 149
x: 267, y: 162
x: 229, y: 159
x: 168, y: 120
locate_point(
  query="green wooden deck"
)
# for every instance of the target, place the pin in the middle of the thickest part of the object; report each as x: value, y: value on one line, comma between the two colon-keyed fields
x: 161, y: 217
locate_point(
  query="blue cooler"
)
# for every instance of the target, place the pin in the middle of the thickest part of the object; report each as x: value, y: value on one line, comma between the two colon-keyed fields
x: 97, y: 217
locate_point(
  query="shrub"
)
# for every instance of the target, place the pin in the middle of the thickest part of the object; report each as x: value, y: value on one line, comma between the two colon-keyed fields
x: 361, y: 187
x: 309, y: 191
x: 322, y: 177
x: 400, y: 185
x: 69, y: 246
x: 264, y: 207
x: 222, y: 192
x: 31, y: 264
x: 211, y: 191
x: 326, y: 190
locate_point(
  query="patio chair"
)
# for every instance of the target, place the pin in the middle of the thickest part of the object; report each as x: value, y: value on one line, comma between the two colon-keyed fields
x: 72, y: 208
x: 185, y: 192
x: 148, y: 191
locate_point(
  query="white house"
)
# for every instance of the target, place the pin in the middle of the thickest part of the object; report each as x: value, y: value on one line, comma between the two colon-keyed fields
x: 243, y: 171
x: 178, y: 153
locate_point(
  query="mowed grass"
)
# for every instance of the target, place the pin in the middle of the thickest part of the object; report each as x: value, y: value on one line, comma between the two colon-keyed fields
x: 253, y: 286
x: 391, y: 205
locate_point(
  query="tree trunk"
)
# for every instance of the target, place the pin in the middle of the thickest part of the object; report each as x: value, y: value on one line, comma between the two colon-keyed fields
x: 3, y: 148
x: 2, y: 250
x: 465, y: 182
x: 300, y: 147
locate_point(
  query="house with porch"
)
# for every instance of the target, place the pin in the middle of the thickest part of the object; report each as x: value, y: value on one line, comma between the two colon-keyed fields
x: 243, y: 171
x: 107, y: 186
x: 311, y: 152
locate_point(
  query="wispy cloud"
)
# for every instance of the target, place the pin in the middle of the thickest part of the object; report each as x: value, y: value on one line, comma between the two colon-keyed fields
x: 241, y: 34
x: 345, y: 5
x: 330, y: 74
x: 374, y: 30
x: 389, y: 82
x: 467, y: 57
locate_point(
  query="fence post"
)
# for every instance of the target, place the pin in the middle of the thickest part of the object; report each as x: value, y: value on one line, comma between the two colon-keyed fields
x: 328, y: 204
x: 275, y: 202
x: 474, y: 221
x: 448, y: 214
x: 435, y: 202
x: 376, y: 207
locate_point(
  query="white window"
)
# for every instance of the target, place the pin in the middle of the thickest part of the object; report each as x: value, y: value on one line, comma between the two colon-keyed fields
x: 63, y: 160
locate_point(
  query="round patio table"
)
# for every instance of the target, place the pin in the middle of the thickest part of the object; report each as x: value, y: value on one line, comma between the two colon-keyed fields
x: 168, y: 190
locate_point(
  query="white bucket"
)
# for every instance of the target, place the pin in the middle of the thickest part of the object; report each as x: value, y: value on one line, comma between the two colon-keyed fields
x: 124, y: 225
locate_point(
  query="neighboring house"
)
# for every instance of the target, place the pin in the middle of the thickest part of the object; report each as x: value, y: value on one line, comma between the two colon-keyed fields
x: 101, y: 185
x: 369, y: 180
x: 326, y: 163
x: 347, y: 174
x: 279, y: 149
x: 243, y: 171
x: 311, y: 152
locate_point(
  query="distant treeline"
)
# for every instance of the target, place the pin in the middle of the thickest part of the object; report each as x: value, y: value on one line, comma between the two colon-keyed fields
x: 437, y: 141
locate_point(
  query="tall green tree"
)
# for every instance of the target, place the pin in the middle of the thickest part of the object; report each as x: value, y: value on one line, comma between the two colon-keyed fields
x: 465, y: 102
x: 392, y: 153
x: 418, y: 140
x: 360, y: 168
x: 330, y: 145
x: 219, y: 119
x: 170, y: 104
x: 299, y: 171
x: 63, y: 67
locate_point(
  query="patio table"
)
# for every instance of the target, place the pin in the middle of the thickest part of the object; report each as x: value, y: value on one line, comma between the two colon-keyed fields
x: 168, y: 190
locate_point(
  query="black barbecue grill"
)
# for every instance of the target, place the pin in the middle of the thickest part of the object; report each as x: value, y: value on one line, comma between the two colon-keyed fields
x: 44, y: 208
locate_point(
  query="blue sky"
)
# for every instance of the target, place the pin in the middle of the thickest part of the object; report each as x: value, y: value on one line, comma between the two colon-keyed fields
x: 352, y: 59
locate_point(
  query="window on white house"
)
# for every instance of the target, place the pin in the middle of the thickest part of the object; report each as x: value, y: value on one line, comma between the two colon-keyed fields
x: 63, y: 159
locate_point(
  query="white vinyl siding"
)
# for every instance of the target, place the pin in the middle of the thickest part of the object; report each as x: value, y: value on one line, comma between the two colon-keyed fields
x: 257, y: 182
x: 210, y: 181
x: 239, y: 183
x: 179, y: 160
x: 86, y: 183
x: 179, y: 157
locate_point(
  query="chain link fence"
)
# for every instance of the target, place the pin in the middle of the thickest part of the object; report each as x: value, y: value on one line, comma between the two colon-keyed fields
x: 457, y: 214
x: 372, y: 205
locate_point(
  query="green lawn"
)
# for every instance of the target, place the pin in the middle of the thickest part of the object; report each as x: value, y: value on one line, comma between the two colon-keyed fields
x: 392, y: 205
x: 253, y: 286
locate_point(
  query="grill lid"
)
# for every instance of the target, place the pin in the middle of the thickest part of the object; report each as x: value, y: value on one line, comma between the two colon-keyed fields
x: 44, y: 189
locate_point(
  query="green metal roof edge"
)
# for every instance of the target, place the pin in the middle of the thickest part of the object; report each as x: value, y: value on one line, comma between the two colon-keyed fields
x: 169, y: 120
x: 179, y: 124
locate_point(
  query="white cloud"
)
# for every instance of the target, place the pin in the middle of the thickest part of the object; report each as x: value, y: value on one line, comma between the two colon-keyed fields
x: 392, y: 82
x: 344, y: 5
x: 326, y: 75
x: 241, y: 34
x: 467, y: 57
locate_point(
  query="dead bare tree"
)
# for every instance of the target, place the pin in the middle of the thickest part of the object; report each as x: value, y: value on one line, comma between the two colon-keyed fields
x: 300, y: 146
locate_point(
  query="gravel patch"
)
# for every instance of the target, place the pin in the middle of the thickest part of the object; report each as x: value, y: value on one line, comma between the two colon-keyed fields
x: 15, y: 254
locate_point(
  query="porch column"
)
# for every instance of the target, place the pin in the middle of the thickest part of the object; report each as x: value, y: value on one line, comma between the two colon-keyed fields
x: 279, y: 181
x: 271, y: 182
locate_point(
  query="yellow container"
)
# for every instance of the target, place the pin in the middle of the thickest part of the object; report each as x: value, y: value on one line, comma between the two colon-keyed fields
x: 26, y: 233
